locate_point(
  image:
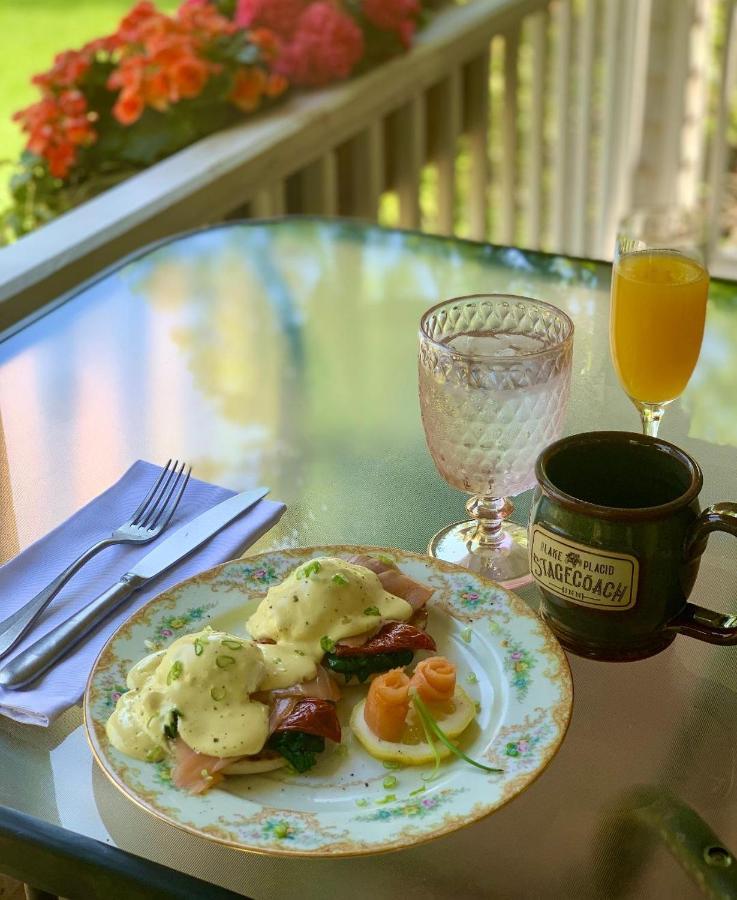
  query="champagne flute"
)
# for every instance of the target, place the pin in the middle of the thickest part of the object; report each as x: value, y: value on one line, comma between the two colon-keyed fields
x: 658, y: 307
x: 494, y: 378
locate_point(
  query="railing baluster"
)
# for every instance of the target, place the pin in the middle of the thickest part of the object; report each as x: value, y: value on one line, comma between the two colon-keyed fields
x: 477, y: 123
x: 697, y: 102
x: 719, y: 147
x: 408, y: 134
x: 610, y: 102
x: 539, y: 40
x: 318, y: 189
x: 444, y: 126
x: 269, y: 202
x: 580, y: 240
x: 509, y: 158
x: 561, y: 192
x: 361, y: 172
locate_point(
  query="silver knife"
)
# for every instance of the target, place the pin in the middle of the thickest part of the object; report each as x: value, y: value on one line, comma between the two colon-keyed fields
x: 40, y: 656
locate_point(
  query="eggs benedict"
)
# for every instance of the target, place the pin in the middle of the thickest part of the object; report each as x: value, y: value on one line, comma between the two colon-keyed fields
x: 220, y: 704
x: 342, y: 613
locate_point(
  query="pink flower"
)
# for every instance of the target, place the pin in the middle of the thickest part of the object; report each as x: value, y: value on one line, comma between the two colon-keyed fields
x: 280, y: 16
x: 326, y: 47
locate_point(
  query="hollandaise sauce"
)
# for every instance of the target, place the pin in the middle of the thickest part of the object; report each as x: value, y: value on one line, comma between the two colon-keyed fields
x: 322, y: 602
x: 201, y: 686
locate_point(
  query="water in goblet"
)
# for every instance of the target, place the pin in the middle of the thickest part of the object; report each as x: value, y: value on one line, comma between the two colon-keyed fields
x: 491, y: 400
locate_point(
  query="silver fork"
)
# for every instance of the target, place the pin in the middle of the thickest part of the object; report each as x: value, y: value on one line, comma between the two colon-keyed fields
x: 147, y: 522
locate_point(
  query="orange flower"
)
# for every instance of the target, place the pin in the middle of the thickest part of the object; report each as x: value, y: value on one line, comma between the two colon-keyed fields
x: 189, y: 76
x: 275, y: 85
x: 158, y: 90
x: 128, y: 107
x: 249, y: 85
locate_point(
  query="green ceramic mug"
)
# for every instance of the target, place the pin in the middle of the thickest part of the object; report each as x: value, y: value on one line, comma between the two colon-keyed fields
x: 616, y: 536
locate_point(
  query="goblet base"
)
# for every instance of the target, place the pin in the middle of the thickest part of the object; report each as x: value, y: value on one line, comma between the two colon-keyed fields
x: 507, y: 562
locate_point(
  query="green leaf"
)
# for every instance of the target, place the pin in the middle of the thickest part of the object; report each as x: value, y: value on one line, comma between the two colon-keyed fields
x: 297, y: 747
x: 363, y: 666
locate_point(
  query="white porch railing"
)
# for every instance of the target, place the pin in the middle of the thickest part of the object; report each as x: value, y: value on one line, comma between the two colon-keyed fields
x: 533, y: 122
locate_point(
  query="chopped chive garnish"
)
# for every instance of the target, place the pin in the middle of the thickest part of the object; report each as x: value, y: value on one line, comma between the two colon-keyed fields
x: 233, y: 645
x: 427, y: 719
x: 281, y: 830
x: 198, y: 647
x: 300, y: 652
x: 466, y: 635
x: 155, y: 755
x: 327, y: 644
x: 217, y: 693
x: 429, y: 738
x: 389, y: 782
x: 175, y: 672
x: 390, y: 764
x: 387, y: 560
x: 471, y: 678
x: 371, y: 611
x: 419, y: 790
x: 223, y: 661
x: 311, y: 568
x: 362, y: 801
x: 339, y: 579
x: 389, y: 798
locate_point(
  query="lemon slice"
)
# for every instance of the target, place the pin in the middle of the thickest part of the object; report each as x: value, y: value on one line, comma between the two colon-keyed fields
x: 453, y: 717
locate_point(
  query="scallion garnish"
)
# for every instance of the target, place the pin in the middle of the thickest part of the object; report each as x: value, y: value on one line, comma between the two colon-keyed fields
x: 389, y: 798
x: 390, y: 764
x: 339, y: 579
x: 327, y: 644
x: 156, y: 754
x: 471, y: 678
x: 233, y: 645
x: 419, y: 790
x: 371, y: 611
x: 466, y: 635
x: 390, y: 782
x: 217, y: 693
x: 428, y: 720
x: 311, y: 568
x: 199, y: 647
x: 175, y: 672
x: 223, y: 661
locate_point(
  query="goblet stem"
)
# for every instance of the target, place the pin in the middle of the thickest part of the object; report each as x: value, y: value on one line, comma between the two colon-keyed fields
x: 489, y: 514
x: 651, y: 414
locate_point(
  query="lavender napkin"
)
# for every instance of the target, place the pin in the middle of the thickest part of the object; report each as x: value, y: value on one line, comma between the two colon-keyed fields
x: 26, y: 574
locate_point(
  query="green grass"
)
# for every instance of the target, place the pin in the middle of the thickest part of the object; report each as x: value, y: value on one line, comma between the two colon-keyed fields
x: 31, y: 33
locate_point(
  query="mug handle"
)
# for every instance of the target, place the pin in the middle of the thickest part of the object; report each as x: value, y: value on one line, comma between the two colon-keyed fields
x: 696, y: 621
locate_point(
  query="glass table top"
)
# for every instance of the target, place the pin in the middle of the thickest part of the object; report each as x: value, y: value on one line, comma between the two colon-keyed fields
x: 285, y: 353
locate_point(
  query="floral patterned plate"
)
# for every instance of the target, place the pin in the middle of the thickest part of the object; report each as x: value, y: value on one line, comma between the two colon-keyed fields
x: 350, y: 804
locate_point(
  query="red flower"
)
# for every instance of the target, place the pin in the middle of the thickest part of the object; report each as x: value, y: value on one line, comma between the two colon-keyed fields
x: 399, y: 16
x: 279, y: 15
x: 189, y: 76
x: 326, y: 46
x: 128, y: 107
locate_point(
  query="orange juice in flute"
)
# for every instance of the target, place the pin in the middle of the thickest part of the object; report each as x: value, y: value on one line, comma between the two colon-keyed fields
x: 658, y: 307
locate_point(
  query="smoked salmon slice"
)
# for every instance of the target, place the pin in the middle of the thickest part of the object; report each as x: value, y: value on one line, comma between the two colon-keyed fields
x: 387, y: 705
x: 196, y: 772
x: 395, y: 582
x: 434, y: 679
